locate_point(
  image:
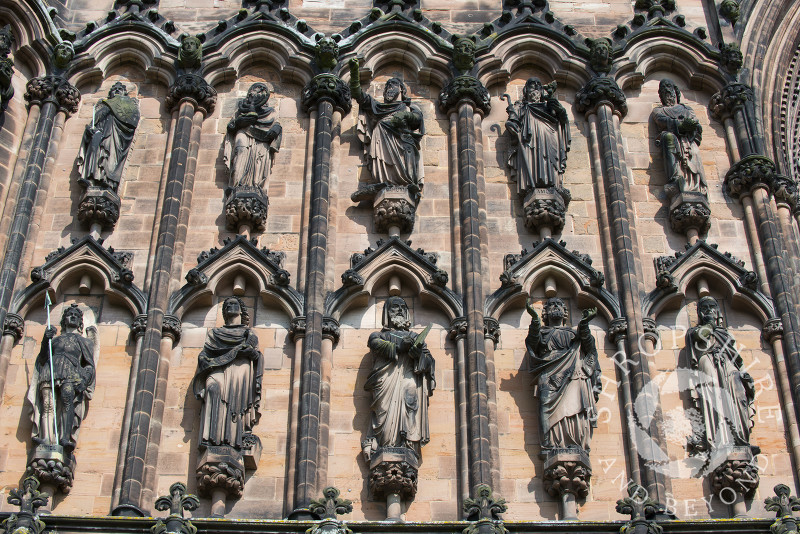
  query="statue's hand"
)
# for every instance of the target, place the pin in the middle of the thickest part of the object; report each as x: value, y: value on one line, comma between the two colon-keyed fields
x: 531, y: 311
x: 588, y: 315
x: 50, y: 332
x: 406, y: 343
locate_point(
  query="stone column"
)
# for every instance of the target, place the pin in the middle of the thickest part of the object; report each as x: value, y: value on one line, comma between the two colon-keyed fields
x: 297, y: 331
x: 323, y: 97
x: 330, y: 337
x: 463, y: 99
x: 12, y: 333
x: 193, y: 99
x: 457, y: 332
x: 56, y: 99
x: 603, y: 103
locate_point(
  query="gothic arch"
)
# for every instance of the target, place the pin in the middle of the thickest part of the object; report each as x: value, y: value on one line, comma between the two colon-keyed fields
x: 33, y: 30
x: 550, y: 258
x: 238, y: 256
x: 85, y: 256
x: 393, y: 257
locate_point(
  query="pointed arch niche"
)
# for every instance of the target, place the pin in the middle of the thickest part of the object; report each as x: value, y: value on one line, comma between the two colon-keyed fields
x: 393, y: 267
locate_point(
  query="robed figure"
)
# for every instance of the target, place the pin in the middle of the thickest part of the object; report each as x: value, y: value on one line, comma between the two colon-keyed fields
x: 565, y: 365
x: 73, y: 376
x: 540, y: 138
x: 228, y: 379
x: 723, y: 390
x: 390, y: 132
x: 401, y: 380
x: 252, y: 140
x: 679, y: 138
x: 107, y: 140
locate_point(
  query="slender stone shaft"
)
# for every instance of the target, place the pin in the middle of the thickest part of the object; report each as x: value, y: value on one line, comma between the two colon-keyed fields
x: 194, y: 99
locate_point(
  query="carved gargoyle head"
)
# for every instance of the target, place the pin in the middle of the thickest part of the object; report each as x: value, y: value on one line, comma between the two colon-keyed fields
x: 396, y: 315
x: 464, y: 54
x: 600, y: 54
x: 72, y: 319
x: 326, y: 54
x: 191, y: 52
x: 233, y: 308
x: 669, y: 93
x: 63, y: 54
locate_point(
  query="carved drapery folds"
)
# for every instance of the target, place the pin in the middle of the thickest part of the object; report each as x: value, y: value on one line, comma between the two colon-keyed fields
x: 252, y: 140
x: 540, y: 139
x: 61, y: 387
x: 104, y: 149
x: 401, y: 380
x: 228, y: 382
x: 679, y: 138
x: 566, y: 369
x: 390, y: 133
x: 6, y: 66
x: 723, y: 393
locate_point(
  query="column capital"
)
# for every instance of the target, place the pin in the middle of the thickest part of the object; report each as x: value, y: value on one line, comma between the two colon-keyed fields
x: 732, y: 97
x: 171, y: 328
x: 750, y: 173
x: 464, y: 88
x: 330, y: 329
x: 601, y: 90
x: 194, y: 88
x: 55, y: 89
x: 14, y: 326
x: 328, y: 87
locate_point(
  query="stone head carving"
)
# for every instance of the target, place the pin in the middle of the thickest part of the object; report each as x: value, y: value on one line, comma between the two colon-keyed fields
x: 669, y: 93
x: 327, y: 54
x: 600, y: 54
x: 257, y: 96
x: 708, y: 311
x: 233, y: 308
x: 393, y: 89
x: 396, y: 314
x: 533, y: 90
x: 72, y: 318
x: 63, y: 54
x: 190, y: 52
x: 554, y: 312
x: 7, y: 40
x: 464, y: 54
x: 118, y: 89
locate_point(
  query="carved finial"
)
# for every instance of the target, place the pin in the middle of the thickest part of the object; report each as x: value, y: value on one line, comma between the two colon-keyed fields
x: 331, y: 505
x: 485, y: 510
x: 782, y: 504
x: 642, y: 510
x: 29, y: 499
x: 176, y: 502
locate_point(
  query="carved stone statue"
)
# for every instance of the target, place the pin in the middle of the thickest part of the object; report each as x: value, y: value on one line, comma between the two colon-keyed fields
x: 60, y: 398
x: 566, y: 369
x: 540, y: 139
x: 724, y: 394
x: 391, y: 133
x: 253, y: 138
x: 6, y: 65
x: 228, y: 382
x: 107, y: 140
x: 228, y: 379
x: 401, y: 380
x: 725, y: 391
x: 679, y: 139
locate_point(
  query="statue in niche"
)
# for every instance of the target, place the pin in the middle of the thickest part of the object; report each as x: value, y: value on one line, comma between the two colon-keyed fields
x: 679, y: 140
x: 73, y: 376
x: 391, y: 133
x: 724, y: 391
x: 252, y: 140
x: 7, y: 40
x: 539, y: 129
x: 228, y: 379
x: 107, y: 140
x: 401, y: 380
x: 565, y: 365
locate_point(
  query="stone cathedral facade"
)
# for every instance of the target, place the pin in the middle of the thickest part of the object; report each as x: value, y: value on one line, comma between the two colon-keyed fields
x: 399, y: 266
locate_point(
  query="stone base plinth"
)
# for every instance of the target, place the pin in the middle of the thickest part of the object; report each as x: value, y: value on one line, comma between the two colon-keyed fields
x: 567, y: 473
x: 736, y: 476
x: 546, y: 208
x: 246, y: 206
x: 394, y: 210
x: 689, y: 211
x: 52, y: 466
x: 393, y: 470
x: 220, y: 468
x: 99, y: 207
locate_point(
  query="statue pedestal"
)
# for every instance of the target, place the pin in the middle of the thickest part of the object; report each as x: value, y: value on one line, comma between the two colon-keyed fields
x: 546, y: 209
x: 393, y: 476
x: 220, y: 474
x: 566, y: 475
x: 735, y: 478
x: 99, y: 208
x: 394, y: 211
x: 689, y: 213
x: 246, y: 209
x: 251, y: 451
x: 54, y: 468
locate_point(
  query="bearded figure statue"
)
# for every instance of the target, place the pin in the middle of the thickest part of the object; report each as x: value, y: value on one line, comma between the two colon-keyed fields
x: 401, y: 381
